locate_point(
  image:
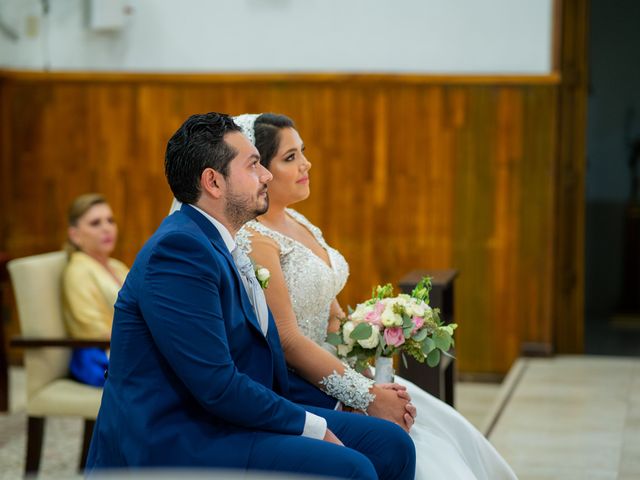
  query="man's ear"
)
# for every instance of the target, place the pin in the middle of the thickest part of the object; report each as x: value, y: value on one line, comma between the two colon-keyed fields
x: 212, y: 182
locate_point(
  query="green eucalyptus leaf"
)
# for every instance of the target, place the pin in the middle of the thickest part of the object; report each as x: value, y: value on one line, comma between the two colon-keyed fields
x: 334, y: 339
x: 433, y: 358
x: 361, y: 332
x: 442, y: 341
x: 421, y: 335
x: 428, y: 346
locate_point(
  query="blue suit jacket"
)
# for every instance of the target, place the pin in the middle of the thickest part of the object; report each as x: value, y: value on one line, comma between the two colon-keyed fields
x: 191, y: 375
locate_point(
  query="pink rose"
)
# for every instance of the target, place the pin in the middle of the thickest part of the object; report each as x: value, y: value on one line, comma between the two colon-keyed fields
x: 394, y: 336
x: 373, y: 316
x: 417, y: 323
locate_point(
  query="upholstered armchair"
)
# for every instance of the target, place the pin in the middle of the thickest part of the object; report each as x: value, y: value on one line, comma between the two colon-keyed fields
x: 36, y: 283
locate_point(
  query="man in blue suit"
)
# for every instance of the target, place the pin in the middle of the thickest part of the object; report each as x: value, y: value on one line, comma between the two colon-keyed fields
x: 197, y: 376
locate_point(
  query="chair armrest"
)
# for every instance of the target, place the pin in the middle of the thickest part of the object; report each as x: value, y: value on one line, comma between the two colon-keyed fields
x: 34, y: 342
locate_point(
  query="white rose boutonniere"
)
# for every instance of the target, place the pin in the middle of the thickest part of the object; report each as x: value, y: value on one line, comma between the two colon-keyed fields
x: 263, y: 275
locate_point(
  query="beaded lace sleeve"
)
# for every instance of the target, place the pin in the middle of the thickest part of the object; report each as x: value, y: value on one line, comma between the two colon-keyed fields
x: 352, y: 388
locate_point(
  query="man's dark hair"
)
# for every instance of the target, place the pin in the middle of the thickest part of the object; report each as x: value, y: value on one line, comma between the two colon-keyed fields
x: 267, y: 131
x: 196, y: 145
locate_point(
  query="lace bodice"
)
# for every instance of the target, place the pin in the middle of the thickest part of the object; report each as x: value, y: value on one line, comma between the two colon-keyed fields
x: 312, y: 286
x: 311, y: 282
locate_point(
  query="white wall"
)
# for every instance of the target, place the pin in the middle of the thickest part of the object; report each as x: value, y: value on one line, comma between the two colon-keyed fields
x: 423, y: 36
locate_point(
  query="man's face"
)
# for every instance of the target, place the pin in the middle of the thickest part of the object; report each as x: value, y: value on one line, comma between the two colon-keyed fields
x: 246, y: 183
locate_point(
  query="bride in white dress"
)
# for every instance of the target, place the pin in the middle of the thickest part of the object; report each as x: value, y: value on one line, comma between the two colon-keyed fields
x: 306, y: 276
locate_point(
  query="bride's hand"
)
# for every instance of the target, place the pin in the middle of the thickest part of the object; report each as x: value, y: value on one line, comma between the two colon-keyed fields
x: 335, y: 314
x: 334, y: 324
x: 391, y: 404
x: 401, y: 391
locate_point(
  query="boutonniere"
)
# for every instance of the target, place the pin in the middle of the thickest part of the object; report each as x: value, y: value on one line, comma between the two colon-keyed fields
x: 263, y: 275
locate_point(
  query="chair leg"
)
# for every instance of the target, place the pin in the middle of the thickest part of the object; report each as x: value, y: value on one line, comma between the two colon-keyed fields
x: 86, y: 441
x: 35, y: 432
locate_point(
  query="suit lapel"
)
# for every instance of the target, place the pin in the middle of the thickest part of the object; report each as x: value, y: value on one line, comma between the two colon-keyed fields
x: 216, y: 240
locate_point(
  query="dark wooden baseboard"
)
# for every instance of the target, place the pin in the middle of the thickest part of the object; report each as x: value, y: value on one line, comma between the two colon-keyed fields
x: 536, y: 349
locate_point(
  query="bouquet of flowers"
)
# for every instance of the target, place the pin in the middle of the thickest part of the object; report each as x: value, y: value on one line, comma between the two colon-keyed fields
x: 386, y: 324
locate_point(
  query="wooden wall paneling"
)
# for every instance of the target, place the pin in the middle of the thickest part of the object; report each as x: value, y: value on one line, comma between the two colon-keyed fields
x: 8, y: 320
x: 407, y: 173
x: 496, y: 208
x: 570, y: 181
x: 344, y: 178
x: 507, y: 212
x: 537, y: 228
x: 5, y: 166
x: 158, y: 114
x: 449, y: 115
x: 473, y: 200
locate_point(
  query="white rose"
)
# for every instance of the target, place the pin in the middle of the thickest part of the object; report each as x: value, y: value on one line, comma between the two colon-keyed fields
x: 263, y: 274
x: 347, y: 328
x: 358, y: 314
x: 343, y: 350
x: 415, y: 310
x: 372, y: 341
x: 389, y: 318
x: 404, y: 299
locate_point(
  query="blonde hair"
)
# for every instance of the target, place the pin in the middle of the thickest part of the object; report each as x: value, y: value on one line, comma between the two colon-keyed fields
x: 79, y: 206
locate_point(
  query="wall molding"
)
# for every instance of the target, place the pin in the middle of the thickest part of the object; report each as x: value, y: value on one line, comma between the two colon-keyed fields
x: 288, y: 78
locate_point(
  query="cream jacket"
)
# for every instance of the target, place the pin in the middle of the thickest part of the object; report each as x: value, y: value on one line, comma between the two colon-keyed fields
x: 90, y: 292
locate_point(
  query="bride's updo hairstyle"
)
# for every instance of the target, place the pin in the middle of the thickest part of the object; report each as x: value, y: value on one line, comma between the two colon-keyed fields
x: 267, y: 134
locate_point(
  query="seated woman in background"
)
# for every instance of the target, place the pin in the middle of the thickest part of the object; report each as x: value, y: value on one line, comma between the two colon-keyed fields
x: 90, y: 282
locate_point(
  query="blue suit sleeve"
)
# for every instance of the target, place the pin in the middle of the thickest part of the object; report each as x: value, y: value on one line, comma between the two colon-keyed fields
x: 181, y: 305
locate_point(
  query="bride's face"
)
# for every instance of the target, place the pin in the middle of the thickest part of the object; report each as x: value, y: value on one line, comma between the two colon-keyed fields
x: 290, y: 169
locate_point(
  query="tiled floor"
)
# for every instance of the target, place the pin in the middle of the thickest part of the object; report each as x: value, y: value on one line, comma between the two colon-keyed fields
x: 474, y: 400
x: 573, y: 417
x: 61, y: 448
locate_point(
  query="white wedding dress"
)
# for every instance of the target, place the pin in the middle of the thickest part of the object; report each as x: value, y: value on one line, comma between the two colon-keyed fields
x: 447, y: 445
